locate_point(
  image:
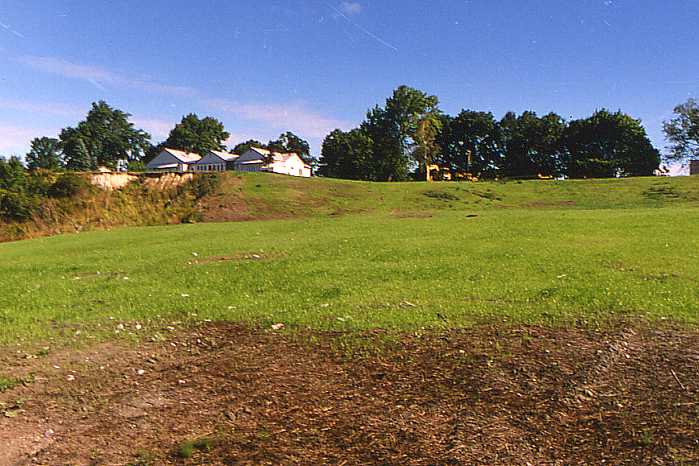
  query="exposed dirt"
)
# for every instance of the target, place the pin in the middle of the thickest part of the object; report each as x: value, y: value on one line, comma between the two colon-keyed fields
x: 525, y: 395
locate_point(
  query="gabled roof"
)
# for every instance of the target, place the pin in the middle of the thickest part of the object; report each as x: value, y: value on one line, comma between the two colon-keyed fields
x: 227, y: 156
x: 186, y: 157
x: 278, y: 156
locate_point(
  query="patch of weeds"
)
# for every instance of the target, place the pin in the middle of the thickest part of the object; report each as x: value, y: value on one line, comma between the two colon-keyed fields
x: 144, y: 458
x: 8, y: 383
x: 441, y: 195
x: 489, y: 195
x: 11, y: 410
x: 662, y: 192
x: 352, y: 346
x: 187, y: 449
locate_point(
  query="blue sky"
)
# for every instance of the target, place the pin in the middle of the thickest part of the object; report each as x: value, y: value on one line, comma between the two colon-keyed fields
x: 310, y: 66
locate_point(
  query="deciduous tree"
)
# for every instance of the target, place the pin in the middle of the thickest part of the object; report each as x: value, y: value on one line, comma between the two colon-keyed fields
x: 609, y: 145
x: 103, y: 138
x: 193, y: 134
x: 682, y: 132
x: 45, y: 153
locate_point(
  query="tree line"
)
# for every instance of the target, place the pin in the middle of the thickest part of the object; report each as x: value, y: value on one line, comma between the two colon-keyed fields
x: 403, y: 139
x: 410, y: 135
x: 107, y: 138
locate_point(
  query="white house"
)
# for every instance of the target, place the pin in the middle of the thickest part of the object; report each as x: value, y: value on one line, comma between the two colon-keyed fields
x: 263, y: 160
x: 171, y: 160
x: 215, y: 161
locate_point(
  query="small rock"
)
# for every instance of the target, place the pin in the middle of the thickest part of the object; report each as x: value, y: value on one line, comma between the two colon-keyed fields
x: 140, y: 372
x: 277, y: 326
x: 70, y: 378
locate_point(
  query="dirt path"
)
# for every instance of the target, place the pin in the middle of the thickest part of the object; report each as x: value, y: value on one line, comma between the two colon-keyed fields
x: 524, y: 395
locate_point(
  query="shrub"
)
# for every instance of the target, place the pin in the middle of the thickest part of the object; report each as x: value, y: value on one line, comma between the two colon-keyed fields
x: 204, y: 184
x: 68, y: 185
x: 16, y: 206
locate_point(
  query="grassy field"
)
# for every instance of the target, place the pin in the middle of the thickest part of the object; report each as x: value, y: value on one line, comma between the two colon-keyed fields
x: 398, y: 256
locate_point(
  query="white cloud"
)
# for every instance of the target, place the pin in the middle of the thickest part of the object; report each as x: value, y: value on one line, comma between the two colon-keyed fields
x: 293, y: 117
x: 14, y: 140
x: 43, y: 108
x: 158, y: 129
x: 100, y: 77
x: 351, y: 8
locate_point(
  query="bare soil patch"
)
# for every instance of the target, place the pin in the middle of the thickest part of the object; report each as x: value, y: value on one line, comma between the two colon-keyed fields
x: 224, y: 394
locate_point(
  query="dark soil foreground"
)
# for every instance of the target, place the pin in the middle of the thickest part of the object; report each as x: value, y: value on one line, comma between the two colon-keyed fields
x: 223, y: 394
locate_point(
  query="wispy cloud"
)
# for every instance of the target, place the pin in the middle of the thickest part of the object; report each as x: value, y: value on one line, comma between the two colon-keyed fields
x: 11, y: 30
x: 43, y: 108
x: 100, y: 77
x: 158, y: 129
x: 351, y: 8
x: 14, y: 140
x: 361, y: 28
x: 295, y: 117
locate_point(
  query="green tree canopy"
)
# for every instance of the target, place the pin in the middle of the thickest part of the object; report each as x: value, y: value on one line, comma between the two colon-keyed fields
x: 13, y: 176
x: 609, y: 145
x: 469, y: 143
x: 289, y: 142
x: 346, y: 155
x: 532, y: 145
x: 393, y: 131
x: 243, y: 147
x: 45, y: 153
x: 193, y: 134
x: 682, y: 132
x: 103, y: 138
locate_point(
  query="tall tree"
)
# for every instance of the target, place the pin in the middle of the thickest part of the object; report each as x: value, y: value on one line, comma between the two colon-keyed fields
x: 609, y: 145
x: 469, y: 143
x: 45, y: 153
x: 426, y: 146
x: 289, y: 142
x: 197, y: 135
x: 346, y: 155
x: 682, y: 132
x: 103, y: 138
x: 532, y: 145
x: 393, y: 130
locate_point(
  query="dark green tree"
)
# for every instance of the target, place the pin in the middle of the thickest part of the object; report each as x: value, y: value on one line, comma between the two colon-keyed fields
x: 532, y: 145
x: 13, y: 176
x: 289, y: 142
x: 103, y: 138
x: 197, y: 135
x: 393, y: 131
x: 76, y: 155
x: 346, y: 155
x: 45, y: 153
x: 243, y: 147
x: 682, y: 132
x: 609, y: 145
x: 469, y: 143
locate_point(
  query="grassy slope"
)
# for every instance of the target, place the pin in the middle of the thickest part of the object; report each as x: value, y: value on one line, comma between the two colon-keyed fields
x: 551, y: 252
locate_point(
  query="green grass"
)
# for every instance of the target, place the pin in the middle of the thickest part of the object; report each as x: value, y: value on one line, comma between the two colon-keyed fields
x: 541, y: 252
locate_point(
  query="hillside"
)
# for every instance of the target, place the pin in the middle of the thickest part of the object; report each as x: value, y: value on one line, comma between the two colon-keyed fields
x: 403, y: 323
x: 250, y: 196
x: 350, y: 255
